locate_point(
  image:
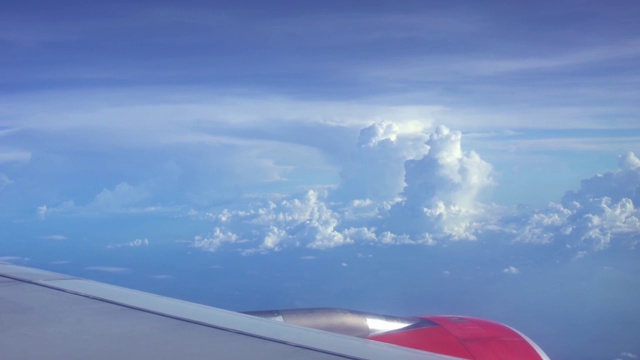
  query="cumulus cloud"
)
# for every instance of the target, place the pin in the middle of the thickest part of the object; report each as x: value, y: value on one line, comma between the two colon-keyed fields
x: 122, y: 198
x: 298, y: 221
x: 604, y: 208
x: 376, y: 168
x: 133, y: 243
x: 511, y: 270
x: 55, y: 237
x: 616, y: 185
x: 440, y: 196
x: 4, y: 181
x: 108, y: 269
x: 215, y: 240
x: 544, y: 225
x: 303, y: 220
x: 401, y: 187
x: 42, y: 211
x: 162, y: 277
x: 446, y: 173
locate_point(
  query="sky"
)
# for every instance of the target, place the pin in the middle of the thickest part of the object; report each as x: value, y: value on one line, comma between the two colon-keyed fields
x: 422, y: 157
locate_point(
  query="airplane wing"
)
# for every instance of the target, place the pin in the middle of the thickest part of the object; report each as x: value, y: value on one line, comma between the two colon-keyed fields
x: 44, y: 315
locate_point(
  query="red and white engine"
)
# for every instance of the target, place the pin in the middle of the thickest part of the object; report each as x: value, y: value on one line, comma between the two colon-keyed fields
x: 458, y: 336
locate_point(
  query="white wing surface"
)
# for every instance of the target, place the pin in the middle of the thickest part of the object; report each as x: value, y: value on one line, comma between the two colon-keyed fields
x: 44, y: 315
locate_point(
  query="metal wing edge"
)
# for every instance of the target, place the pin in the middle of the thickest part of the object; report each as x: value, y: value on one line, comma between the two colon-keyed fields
x: 217, y: 318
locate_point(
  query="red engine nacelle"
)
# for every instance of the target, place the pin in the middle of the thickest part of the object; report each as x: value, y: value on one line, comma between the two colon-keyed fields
x: 467, y: 338
x: 458, y: 336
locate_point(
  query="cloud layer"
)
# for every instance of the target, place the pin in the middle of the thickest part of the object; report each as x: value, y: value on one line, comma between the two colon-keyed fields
x: 596, y: 216
x: 418, y: 188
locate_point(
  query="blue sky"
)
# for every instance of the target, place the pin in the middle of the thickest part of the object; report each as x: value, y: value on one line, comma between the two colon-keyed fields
x: 423, y: 157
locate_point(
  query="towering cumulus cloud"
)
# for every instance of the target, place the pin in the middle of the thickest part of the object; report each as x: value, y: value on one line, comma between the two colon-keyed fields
x: 440, y: 196
x: 416, y: 188
x: 397, y: 188
x: 603, y: 209
x: 376, y: 168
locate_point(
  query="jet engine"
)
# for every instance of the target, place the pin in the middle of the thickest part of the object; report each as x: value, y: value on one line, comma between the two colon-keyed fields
x: 458, y: 336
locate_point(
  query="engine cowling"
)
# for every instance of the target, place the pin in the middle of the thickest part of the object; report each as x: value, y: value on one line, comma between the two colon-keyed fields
x: 467, y: 338
x: 458, y: 336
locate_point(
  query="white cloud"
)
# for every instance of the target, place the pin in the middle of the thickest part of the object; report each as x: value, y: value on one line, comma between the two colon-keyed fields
x: 160, y: 116
x: 617, y: 185
x: 580, y: 254
x: 162, y: 277
x: 577, y: 57
x: 376, y: 169
x: 603, y: 209
x: 122, y: 196
x: 431, y: 197
x: 13, y: 258
x: 215, y: 240
x: 543, y: 226
x: 108, y: 269
x: 441, y: 189
x: 450, y: 68
x: 511, y: 270
x: 629, y: 161
x: 8, y: 131
x: 438, y: 200
x: 139, y: 242
x: 446, y: 173
x: 602, y: 219
x: 60, y: 262
x: 133, y: 243
x: 42, y: 211
x: 306, y: 221
x: 361, y: 234
x: 4, y: 181
x: 15, y: 156
x: 629, y: 355
x: 55, y: 237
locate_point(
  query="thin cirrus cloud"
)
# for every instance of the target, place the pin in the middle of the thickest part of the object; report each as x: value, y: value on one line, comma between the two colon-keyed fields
x: 487, y: 71
x: 161, y: 111
x: 593, y: 55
